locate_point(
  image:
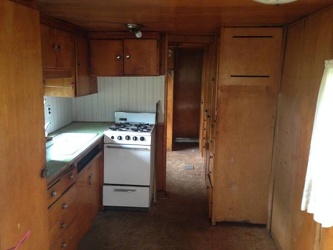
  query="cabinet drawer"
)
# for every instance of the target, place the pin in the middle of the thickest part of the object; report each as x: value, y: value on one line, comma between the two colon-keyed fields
x: 62, y: 206
x: 64, y: 182
x: 63, y: 223
x: 126, y: 196
x: 68, y: 240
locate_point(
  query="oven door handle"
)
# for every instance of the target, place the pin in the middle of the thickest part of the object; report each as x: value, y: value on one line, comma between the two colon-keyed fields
x: 146, y: 148
x: 124, y: 190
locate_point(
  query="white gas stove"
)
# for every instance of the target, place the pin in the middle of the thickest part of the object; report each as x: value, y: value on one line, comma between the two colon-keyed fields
x: 129, y: 133
x: 129, y: 153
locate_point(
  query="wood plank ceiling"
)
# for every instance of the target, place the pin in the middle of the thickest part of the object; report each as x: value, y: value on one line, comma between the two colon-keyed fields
x: 198, y: 17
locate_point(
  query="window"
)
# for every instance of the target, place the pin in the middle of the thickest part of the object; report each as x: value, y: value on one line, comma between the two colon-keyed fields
x: 318, y: 189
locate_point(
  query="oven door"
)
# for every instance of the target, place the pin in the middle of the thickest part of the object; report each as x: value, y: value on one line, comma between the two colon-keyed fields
x: 127, y: 165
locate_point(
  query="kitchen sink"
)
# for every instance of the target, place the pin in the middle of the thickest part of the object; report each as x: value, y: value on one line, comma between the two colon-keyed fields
x: 69, y: 143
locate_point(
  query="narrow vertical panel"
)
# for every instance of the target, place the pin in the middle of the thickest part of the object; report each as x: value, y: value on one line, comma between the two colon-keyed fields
x: 23, y: 205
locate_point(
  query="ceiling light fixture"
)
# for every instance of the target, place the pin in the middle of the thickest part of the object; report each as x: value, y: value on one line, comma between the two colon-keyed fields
x: 135, y: 28
x: 276, y: 2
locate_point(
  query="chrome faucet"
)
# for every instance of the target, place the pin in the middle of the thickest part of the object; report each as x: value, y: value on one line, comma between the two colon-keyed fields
x: 46, y: 125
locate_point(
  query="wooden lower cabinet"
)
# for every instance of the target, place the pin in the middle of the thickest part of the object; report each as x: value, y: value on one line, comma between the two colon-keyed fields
x: 67, y: 240
x: 89, y: 186
x: 62, y: 211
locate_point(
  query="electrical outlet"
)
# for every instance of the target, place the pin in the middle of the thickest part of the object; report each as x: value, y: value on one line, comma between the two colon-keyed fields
x: 47, y: 112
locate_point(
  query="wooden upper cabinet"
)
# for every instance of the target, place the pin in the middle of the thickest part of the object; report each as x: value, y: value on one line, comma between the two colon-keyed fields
x: 138, y: 57
x: 107, y: 57
x: 57, y: 48
x: 85, y: 84
x: 66, y: 68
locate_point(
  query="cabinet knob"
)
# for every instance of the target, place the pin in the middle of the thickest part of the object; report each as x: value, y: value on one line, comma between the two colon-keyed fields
x: 118, y: 58
x: 63, y: 245
x: 55, y: 47
x: 59, y: 48
x: 71, y: 176
x: 63, y: 225
x: 54, y: 193
x: 128, y: 56
x: 64, y: 206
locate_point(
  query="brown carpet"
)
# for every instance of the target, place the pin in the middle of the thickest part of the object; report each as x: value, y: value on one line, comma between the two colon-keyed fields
x: 178, y: 222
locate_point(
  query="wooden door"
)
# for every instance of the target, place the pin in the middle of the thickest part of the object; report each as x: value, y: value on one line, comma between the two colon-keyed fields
x: 23, y: 204
x: 187, y: 93
x: 141, y: 57
x: 106, y: 57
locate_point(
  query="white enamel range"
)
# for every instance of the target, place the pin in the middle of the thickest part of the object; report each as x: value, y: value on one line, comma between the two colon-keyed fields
x: 129, y: 149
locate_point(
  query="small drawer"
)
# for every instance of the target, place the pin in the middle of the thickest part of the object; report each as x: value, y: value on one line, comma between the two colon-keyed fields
x: 61, y: 206
x: 63, y: 223
x: 126, y: 196
x: 68, y: 240
x: 64, y: 182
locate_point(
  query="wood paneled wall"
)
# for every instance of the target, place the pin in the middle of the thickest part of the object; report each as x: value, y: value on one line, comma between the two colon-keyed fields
x: 308, y: 44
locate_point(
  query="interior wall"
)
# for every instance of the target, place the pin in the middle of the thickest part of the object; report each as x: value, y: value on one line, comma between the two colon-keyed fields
x: 133, y: 94
x: 308, y: 44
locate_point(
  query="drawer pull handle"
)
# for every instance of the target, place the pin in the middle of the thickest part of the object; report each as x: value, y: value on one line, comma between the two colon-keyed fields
x: 54, y: 193
x: 64, y: 245
x: 124, y: 190
x: 64, y: 206
x: 63, y: 225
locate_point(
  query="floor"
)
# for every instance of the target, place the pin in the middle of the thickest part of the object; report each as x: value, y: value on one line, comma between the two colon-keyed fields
x: 178, y: 221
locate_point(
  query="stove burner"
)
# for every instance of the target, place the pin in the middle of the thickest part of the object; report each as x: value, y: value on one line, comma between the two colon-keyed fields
x: 134, y: 127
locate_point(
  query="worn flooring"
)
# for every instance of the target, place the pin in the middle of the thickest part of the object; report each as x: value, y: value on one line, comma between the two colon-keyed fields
x: 178, y: 221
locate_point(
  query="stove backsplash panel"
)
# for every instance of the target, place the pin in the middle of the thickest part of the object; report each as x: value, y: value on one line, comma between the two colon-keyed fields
x: 131, y: 94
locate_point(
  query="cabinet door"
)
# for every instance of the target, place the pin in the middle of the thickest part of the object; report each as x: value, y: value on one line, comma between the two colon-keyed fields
x: 141, y: 57
x: 84, y: 197
x: 49, y: 46
x: 106, y: 57
x: 84, y: 83
x: 57, y: 48
x: 96, y: 183
x: 66, y: 49
x: 90, y: 192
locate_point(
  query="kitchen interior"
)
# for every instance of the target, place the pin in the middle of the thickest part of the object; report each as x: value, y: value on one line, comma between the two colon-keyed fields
x: 73, y: 70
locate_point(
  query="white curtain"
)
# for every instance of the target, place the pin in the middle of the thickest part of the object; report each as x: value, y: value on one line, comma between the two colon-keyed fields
x: 318, y: 189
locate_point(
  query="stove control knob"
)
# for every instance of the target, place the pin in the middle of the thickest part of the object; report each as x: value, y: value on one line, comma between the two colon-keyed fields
x: 127, y: 137
x: 119, y: 138
x: 112, y: 137
x: 135, y: 138
x: 142, y: 138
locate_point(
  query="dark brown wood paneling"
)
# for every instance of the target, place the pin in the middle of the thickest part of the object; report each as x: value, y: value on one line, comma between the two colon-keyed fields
x: 187, y: 93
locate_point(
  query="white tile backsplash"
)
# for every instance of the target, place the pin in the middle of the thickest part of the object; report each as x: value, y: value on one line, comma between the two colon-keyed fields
x: 61, y: 112
x: 133, y: 94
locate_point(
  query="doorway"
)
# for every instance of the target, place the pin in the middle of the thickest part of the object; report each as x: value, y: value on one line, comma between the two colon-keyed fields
x: 186, y: 97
